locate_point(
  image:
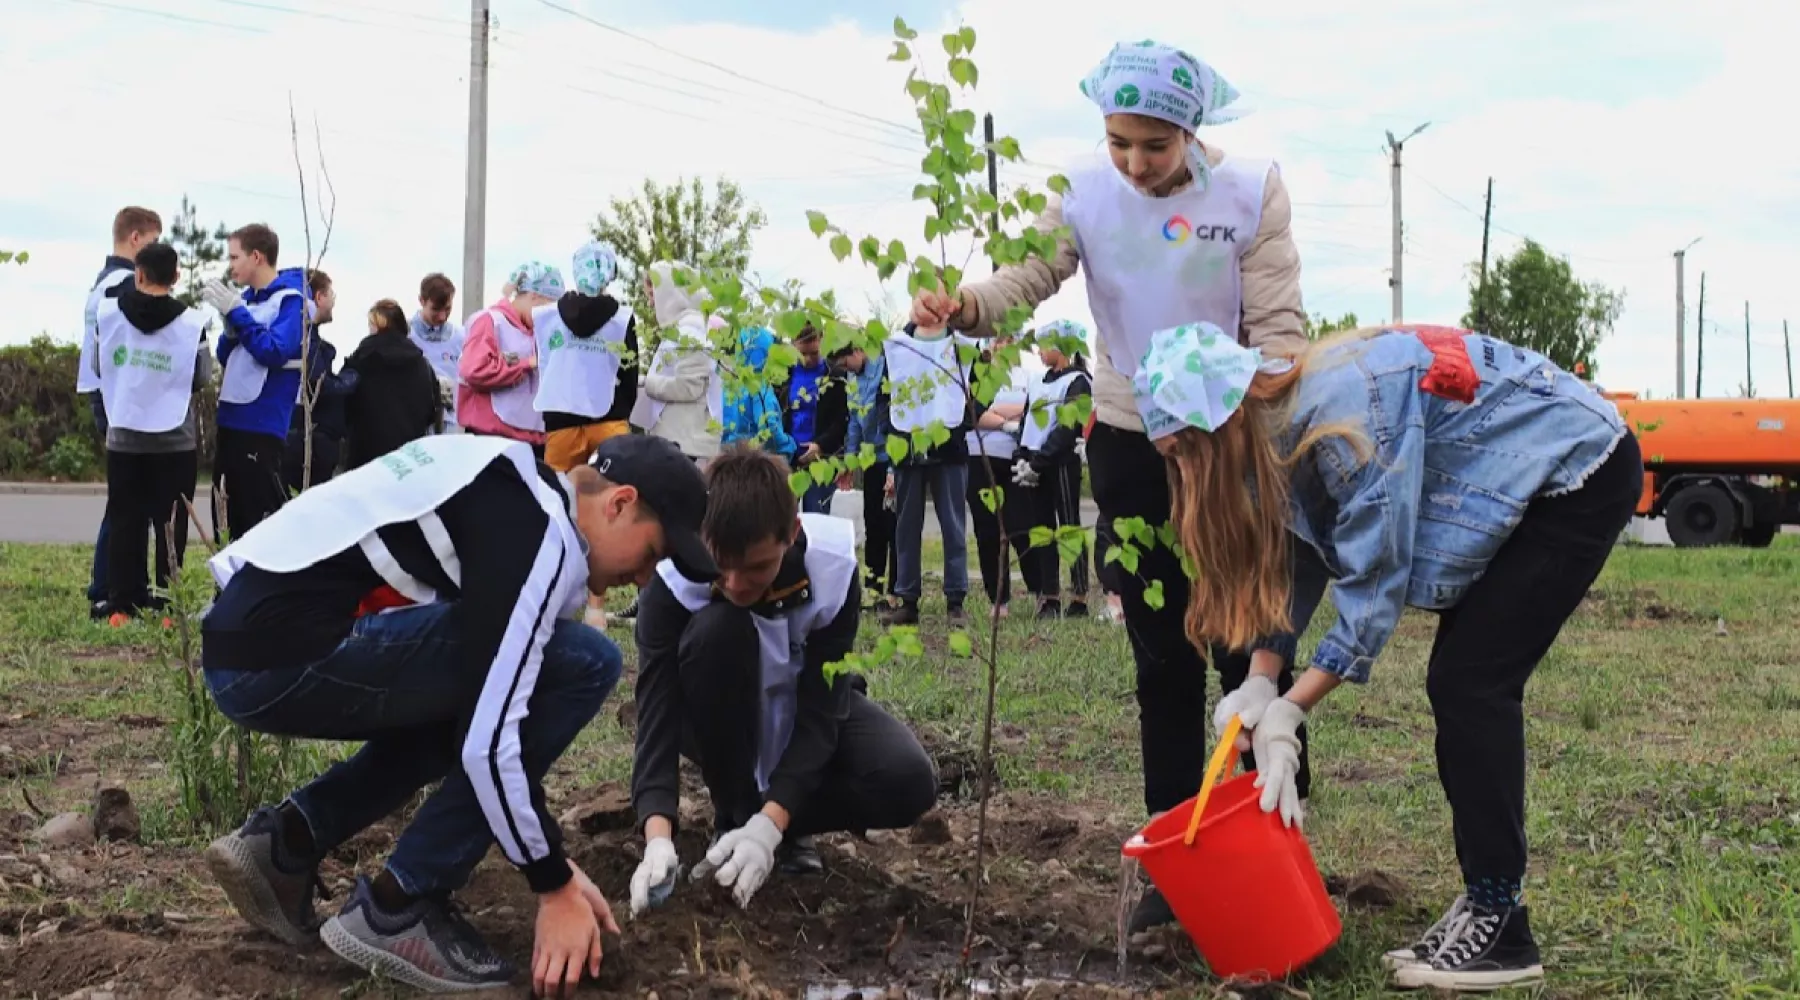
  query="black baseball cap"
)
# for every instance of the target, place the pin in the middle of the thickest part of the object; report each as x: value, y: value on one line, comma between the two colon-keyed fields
x: 672, y: 487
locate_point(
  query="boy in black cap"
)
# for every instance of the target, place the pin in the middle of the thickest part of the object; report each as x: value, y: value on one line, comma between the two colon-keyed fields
x: 429, y: 604
x: 732, y: 672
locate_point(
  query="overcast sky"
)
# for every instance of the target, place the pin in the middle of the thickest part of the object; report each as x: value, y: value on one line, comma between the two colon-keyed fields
x: 1616, y: 132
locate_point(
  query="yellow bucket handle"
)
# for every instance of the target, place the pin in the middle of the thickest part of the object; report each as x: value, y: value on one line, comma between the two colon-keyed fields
x: 1224, y: 756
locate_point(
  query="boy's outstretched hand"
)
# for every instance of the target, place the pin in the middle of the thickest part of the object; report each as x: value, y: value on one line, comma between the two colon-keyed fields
x: 569, y: 923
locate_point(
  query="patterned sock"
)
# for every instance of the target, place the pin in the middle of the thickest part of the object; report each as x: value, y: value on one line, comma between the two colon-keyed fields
x: 1494, y: 893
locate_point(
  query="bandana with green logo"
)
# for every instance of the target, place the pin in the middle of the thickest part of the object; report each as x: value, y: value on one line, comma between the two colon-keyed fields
x: 1195, y: 376
x: 595, y: 267
x: 537, y: 278
x: 1157, y: 81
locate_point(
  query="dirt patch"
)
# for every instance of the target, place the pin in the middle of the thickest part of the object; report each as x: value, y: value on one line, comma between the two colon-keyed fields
x: 1641, y: 605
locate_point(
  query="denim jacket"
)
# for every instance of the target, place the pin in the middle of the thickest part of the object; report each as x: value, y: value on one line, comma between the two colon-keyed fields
x: 1449, y: 481
x: 867, y: 414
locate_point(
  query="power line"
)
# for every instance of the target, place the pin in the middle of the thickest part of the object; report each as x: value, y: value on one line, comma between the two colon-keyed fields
x: 125, y: 8
x: 1440, y: 192
x: 339, y: 18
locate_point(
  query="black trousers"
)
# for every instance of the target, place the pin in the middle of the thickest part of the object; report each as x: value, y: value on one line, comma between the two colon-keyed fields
x: 326, y: 450
x: 879, y: 778
x: 1055, y: 502
x: 144, y: 496
x: 990, y: 550
x: 1130, y: 479
x: 880, y: 562
x: 1489, y: 644
x: 247, y: 468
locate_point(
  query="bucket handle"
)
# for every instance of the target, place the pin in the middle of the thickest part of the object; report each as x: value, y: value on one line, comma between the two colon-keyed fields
x: 1224, y: 758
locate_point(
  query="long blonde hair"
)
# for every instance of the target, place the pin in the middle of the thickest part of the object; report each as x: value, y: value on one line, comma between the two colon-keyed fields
x: 1229, y: 490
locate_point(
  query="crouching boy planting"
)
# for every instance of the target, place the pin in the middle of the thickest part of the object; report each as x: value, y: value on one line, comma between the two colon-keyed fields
x: 731, y: 673
x: 429, y: 604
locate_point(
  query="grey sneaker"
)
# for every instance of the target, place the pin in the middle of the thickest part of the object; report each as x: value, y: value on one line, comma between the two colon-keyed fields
x: 269, y: 887
x: 1428, y: 945
x: 428, y: 945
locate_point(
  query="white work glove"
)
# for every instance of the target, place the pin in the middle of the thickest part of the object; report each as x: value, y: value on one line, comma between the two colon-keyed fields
x: 219, y: 297
x: 1276, y: 742
x: 1010, y: 427
x: 1024, y: 474
x: 1081, y: 448
x: 742, y: 859
x: 1248, y: 703
x: 446, y: 392
x: 654, y: 879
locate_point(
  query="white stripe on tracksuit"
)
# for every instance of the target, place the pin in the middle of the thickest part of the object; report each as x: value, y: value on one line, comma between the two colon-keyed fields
x: 491, y: 753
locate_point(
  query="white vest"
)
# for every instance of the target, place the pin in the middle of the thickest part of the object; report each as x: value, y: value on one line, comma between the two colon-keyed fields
x: 577, y: 375
x: 995, y: 443
x: 830, y: 566
x: 147, y: 380
x: 925, y: 386
x: 1157, y: 263
x: 244, y: 375
x: 408, y: 484
x: 87, y: 378
x: 1041, y: 415
x: 516, y: 405
x: 444, y: 355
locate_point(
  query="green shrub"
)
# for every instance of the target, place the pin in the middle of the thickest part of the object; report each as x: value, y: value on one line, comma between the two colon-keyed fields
x: 71, y: 457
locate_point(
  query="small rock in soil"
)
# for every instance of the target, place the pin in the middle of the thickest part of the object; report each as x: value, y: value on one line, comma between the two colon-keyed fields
x: 67, y: 830
x: 1374, y: 890
x: 606, y: 810
x: 115, y: 817
x: 932, y: 829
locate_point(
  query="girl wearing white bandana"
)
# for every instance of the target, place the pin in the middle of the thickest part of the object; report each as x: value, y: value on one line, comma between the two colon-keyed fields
x: 1168, y: 230
x: 1423, y: 467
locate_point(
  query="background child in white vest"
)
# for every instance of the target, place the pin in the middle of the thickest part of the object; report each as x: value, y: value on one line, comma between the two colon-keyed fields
x: 682, y: 398
x: 498, y: 369
x: 260, y: 350
x: 133, y: 229
x: 587, y: 371
x: 477, y: 671
x: 440, y: 338
x: 151, y: 358
x: 1174, y: 231
x: 739, y: 664
x: 1049, y: 467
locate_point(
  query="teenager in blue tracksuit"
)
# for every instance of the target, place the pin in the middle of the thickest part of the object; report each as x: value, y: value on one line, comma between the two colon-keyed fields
x: 260, y: 352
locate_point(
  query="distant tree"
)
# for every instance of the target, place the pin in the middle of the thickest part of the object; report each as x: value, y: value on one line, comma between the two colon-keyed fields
x: 681, y: 222
x: 201, y: 251
x: 1535, y: 300
x: 1319, y: 325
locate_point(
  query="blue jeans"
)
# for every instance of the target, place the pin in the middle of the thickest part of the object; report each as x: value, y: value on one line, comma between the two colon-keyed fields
x: 948, y: 485
x: 817, y: 499
x: 399, y: 682
x: 97, y: 580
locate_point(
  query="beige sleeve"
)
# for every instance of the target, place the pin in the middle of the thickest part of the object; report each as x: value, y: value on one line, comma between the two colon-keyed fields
x: 1274, y: 316
x: 1029, y: 283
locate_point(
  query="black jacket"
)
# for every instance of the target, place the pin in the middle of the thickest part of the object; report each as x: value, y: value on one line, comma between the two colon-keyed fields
x: 584, y: 315
x: 831, y: 414
x: 396, y: 397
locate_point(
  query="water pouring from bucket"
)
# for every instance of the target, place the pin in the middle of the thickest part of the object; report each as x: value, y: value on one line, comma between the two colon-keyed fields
x: 1241, y: 884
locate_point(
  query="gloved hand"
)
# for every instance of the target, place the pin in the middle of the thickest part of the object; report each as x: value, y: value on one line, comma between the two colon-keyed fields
x: 1081, y: 448
x: 1276, y: 741
x: 654, y: 879
x: 742, y: 859
x: 1024, y: 474
x: 219, y: 297
x: 1248, y: 703
x: 1010, y: 427
x: 446, y: 392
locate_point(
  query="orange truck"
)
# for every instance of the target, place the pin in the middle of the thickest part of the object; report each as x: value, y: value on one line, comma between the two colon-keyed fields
x: 1718, y: 471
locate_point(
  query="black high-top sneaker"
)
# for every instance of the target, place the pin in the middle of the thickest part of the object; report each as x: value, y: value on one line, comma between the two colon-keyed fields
x: 1484, y: 950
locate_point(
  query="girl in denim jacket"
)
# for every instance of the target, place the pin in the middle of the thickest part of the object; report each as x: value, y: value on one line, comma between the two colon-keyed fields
x: 1422, y: 466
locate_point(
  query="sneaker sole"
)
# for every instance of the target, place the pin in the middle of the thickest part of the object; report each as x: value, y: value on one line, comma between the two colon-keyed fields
x: 376, y: 961
x: 1418, y: 977
x: 236, y: 871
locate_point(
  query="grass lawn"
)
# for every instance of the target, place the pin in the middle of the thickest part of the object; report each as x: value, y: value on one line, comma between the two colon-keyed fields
x: 1664, y: 735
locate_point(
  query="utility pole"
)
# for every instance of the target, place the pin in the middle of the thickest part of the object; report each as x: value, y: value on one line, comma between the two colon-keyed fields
x: 1681, y: 319
x: 475, y: 186
x: 1394, y: 146
x: 1749, y: 379
x: 1487, y: 222
x: 993, y: 158
x: 1700, y: 337
x: 1788, y: 347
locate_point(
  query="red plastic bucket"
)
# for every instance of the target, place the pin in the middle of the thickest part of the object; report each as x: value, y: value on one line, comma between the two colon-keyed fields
x: 1243, y: 886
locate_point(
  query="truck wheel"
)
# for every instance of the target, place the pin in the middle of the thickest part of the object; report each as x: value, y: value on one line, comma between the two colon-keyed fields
x: 1760, y: 536
x: 1701, y: 516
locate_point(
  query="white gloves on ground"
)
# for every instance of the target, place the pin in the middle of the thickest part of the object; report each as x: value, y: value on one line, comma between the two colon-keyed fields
x: 219, y: 297
x: 1024, y: 474
x: 1248, y: 702
x: 654, y: 879
x: 1276, y: 742
x: 742, y: 859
